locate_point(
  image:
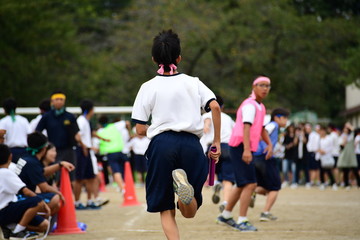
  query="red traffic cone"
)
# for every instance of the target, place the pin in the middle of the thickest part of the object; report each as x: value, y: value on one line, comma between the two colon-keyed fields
x: 66, y: 217
x: 130, y: 195
x: 102, y: 187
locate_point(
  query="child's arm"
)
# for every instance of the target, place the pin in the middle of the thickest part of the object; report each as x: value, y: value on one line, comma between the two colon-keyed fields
x: 45, y: 187
x: 216, y: 119
x: 247, y: 156
x: 50, y: 170
x: 27, y: 192
x: 269, y: 148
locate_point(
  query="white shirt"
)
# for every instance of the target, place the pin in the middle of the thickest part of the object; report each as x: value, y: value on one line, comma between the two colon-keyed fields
x: 121, y: 126
x: 16, y: 132
x: 174, y: 104
x: 85, y: 130
x: 10, y: 185
x: 313, y: 142
x: 248, y: 113
x: 357, y: 144
x: 336, y: 141
x: 227, y: 125
x: 139, y: 145
x: 325, y: 144
x: 35, y: 122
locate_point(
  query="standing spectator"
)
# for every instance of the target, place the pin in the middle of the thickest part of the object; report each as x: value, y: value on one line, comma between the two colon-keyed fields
x: 291, y: 151
x: 302, y: 163
x: 312, y: 147
x: 357, y: 147
x: 62, y: 130
x: 347, y: 160
x: 44, y: 107
x: 336, y: 142
x: 139, y: 145
x: 324, y: 154
x: 17, y: 128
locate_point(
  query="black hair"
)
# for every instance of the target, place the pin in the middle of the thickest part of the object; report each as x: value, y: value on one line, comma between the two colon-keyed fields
x: 36, y: 141
x: 357, y: 131
x: 103, y: 120
x: 57, y: 91
x: 44, y: 105
x: 166, y: 48
x: 220, y: 100
x: 4, y: 153
x: 86, y: 105
x: 9, y: 105
x: 279, y: 111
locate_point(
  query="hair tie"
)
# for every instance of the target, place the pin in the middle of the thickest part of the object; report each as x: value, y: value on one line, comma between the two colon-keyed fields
x: 172, y: 67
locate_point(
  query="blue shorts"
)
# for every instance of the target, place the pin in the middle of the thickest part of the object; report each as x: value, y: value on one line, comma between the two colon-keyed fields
x: 68, y: 155
x: 15, y: 211
x: 244, y: 173
x: 313, y: 163
x: 267, y: 173
x: 84, y: 167
x: 140, y: 163
x: 226, y: 169
x: 167, y: 152
x: 116, y: 162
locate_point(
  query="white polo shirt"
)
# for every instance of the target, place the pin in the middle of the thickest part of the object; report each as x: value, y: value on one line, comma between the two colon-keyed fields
x: 174, y: 104
x: 227, y: 124
x: 85, y: 130
x: 139, y: 145
x: 16, y: 132
x: 10, y: 185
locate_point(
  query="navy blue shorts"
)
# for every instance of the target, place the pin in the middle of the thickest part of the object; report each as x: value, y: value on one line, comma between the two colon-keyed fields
x: 17, y: 152
x: 244, y: 173
x: 68, y: 155
x: 225, y: 165
x: 313, y: 164
x: 84, y: 167
x: 116, y: 162
x: 140, y: 163
x: 167, y: 152
x: 15, y: 211
x: 267, y: 173
x: 358, y: 161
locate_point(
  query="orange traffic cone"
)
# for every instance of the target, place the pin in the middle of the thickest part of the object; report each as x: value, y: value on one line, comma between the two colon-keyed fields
x: 66, y: 217
x: 102, y: 187
x: 130, y: 196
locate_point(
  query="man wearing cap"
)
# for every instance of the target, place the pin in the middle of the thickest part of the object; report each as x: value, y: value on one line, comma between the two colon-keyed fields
x: 62, y: 130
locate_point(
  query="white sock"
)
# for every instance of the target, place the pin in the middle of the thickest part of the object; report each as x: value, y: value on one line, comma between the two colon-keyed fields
x: 226, y: 214
x: 90, y: 201
x: 242, y: 219
x: 266, y: 212
x: 19, y: 228
x: 224, y: 203
x: 77, y: 203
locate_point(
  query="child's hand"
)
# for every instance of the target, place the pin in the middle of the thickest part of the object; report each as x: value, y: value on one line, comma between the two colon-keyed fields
x: 268, y: 151
x: 215, y: 155
x: 247, y: 156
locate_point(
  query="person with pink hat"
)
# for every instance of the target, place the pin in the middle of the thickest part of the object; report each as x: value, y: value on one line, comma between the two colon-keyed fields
x: 244, y: 140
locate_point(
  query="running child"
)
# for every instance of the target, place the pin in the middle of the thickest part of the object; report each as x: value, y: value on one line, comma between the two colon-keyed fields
x: 176, y: 161
x: 243, y: 142
x: 23, y: 213
x: 267, y: 172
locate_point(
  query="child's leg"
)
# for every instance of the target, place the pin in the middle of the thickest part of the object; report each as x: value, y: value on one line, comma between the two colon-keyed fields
x: 188, y: 211
x: 245, y: 198
x: 28, y: 216
x: 169, y: 224
x: 233, y: 198
x: 270, y: 200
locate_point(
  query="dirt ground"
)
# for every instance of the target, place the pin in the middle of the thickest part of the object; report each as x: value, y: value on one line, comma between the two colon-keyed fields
x: 302, y: 214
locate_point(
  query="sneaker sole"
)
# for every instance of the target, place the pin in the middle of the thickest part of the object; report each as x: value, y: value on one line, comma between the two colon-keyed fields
x: 216, y: 196
x: 184, y: 190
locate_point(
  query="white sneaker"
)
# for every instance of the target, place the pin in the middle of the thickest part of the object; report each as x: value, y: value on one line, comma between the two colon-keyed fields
x: 334, y: 187
x: 308, y: 185
x: 294, y: 186
x: 322, y: 187
x: 284, y: 184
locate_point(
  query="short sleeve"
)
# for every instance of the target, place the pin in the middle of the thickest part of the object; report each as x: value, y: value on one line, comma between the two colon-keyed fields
x: 142, y: 106
x: 13, y: 183
x: 248, y: 113
x: 270, y: 127
x: 206, y: 96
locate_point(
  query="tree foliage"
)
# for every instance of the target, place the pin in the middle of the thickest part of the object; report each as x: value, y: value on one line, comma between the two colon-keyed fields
x: 101, y: 49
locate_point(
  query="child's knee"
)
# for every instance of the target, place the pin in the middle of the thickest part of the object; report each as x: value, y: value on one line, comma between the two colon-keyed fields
x: 43, y: 226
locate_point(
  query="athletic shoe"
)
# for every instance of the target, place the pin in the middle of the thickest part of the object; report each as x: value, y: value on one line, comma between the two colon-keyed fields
x: 222, y: 207
x: 252, y: 201
x: 80, y: 206
x: 226, y: 221
x: 294, y: 186
x: 101, y: 202
x: 322, y: 187
x: 265, y: 217
x: 334, y: 187
x: 216, y: 196
x: 23, y: 235
x: 182, y: 187
x: 5, y: 232
x: 246, y: 226
x: 93, y: 206
x: 308, y: 185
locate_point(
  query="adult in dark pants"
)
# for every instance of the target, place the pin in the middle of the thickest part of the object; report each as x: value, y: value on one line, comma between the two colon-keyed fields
x: 62, y: 130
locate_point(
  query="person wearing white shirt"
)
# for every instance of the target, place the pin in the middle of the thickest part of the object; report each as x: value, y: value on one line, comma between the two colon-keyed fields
x: 312, y: 147
x: 44, y: 107
x: 324, y: 154
x: 139, y: 145
x: 17, y: 128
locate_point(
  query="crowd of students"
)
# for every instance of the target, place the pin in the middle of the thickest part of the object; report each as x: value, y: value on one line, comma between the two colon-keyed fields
x: 36, y: 151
